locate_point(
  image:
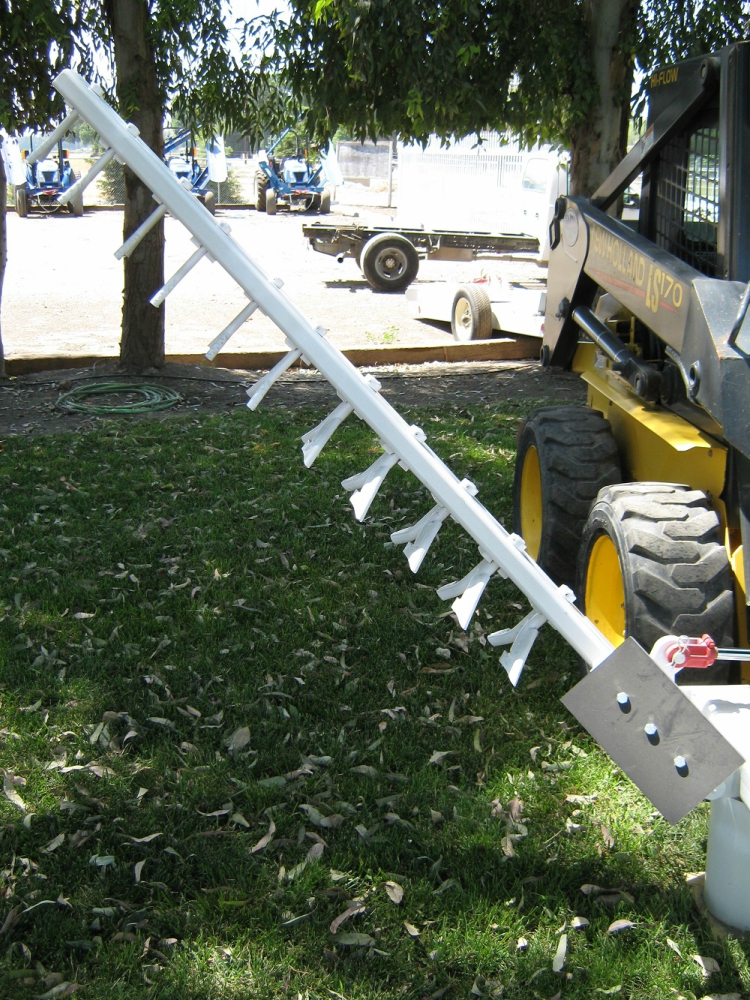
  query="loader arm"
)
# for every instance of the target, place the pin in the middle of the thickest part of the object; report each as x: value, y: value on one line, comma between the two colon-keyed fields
x: 693, y: 316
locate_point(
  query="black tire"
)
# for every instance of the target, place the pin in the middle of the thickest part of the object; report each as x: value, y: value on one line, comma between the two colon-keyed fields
x: 270, y: 202
x: 209, y: 201
x: 565, y: 456
x: 22, y: 202
x: 471, y: 314
x: 325, y: 203
x: 261, y: 186
x: 389, y: 262
x: 675, y: 577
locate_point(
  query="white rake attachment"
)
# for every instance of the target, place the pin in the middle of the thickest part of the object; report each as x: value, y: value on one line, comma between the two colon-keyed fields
x: 402, y: 444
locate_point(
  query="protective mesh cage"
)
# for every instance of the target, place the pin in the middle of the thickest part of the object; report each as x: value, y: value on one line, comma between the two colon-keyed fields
x: 686, y: 214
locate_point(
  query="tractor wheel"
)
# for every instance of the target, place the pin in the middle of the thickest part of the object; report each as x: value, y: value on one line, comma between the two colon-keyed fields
x: 471, y: 315
x: 389, y: 262
x: 75, y: 207
x: 565, y: 456
x: 270, y: 202
x: 261, y: 186
x: 325, y: 203
x: 653, y: 563
x: 209, y: 201
x: 22, y: 202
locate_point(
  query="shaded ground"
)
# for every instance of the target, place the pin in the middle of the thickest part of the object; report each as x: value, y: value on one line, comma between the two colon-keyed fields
x: 27, y: 402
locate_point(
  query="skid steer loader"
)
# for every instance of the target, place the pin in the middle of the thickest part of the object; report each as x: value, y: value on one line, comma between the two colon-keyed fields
x: 640, y: 501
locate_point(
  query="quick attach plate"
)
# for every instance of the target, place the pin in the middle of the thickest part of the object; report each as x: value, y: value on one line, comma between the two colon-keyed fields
x: 681, y: 731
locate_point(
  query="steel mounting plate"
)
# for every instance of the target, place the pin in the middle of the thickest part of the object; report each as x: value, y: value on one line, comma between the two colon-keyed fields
x: 681, y: 731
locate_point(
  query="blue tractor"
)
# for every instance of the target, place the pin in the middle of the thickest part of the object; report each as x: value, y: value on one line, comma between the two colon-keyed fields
x: 289, y: 182
x: 184, y: 165
x: 45, y: 180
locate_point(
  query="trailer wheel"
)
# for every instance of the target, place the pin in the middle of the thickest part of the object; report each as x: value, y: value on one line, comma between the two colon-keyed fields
x: 209, y: 200
x: 653, y: 563
x: 22, y: 202
x: 325, y: 202
x: 270, y: 202
x: 389, y: 262
x: 471, y: 315
x: 565, y: 456
x: 261, y: 186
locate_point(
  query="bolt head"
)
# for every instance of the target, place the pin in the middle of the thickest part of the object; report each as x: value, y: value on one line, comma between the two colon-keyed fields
x: 680, y: 763
x: 650, y: 729
x: 623, y: 698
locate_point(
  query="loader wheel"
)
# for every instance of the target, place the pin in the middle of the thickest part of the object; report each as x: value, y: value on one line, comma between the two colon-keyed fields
x: 325, y: 203
x: 22, y: 202
x: 389, y: 262
x: 270, y: 202
x: 261, y: 186
x: 566, y: 455
x: 653, y: 563
x: 471, y: 315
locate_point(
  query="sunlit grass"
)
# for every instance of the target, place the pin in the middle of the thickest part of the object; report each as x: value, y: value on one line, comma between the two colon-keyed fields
x: 167, y: 585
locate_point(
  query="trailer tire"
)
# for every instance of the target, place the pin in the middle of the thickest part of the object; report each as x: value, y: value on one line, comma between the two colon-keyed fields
x: 565, y: 456
x: 209, y: 201
x: 325, y: 203
x: 471, y: 314
x: 22, y: 202
x: 261, y: 186
x: 653, y: 563
x: 270, y: 202
x: 389, y: 262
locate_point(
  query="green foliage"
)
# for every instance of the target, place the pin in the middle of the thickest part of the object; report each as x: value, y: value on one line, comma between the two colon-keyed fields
x: 458, y: 67
x: 35, y: 44
x: 198, y: 642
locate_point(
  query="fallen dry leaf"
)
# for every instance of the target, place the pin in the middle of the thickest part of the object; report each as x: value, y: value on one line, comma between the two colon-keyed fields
x: 558, y: 962
x: 395, y: 892
x: 317, y: 818
x: 620, y: 925
x: 54, y: 844
x: 351, y: 911
x: 238, y: 740
x: 578, y: 923
x: 674, y: 946
x: 707, y: 964
x: 11, y: 794
x: 411, y: 930
x: 265, y: 840
x: 354, y: 940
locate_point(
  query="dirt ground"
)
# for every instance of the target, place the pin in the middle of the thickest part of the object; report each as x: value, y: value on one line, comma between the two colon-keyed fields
x: 63, y: 287
x: 62, y: 297
x: 27, y: 402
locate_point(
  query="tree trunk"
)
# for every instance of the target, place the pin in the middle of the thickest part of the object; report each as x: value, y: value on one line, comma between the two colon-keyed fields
x: 3, y: 246
x: 142, y: 343
x: 599, y: 143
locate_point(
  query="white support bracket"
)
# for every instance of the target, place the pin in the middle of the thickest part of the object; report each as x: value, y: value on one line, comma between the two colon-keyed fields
x: 365, y: 485
x: 169, y: 286
x: 45, y: 147
x: 231, y: 328
x: 420, y: 536
x: 520, y: 638
x: 140, y: 233
x: 315, y: 440
x: 469, y: 590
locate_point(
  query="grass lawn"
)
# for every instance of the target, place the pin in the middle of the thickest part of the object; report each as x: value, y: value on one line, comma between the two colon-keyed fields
x: 248, y: 755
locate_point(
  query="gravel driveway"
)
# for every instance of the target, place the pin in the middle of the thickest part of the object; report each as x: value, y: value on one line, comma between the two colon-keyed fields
x: 63, y: 287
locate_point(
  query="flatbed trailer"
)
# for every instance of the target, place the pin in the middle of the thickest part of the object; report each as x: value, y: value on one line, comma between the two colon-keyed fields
x: 389, y: 255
